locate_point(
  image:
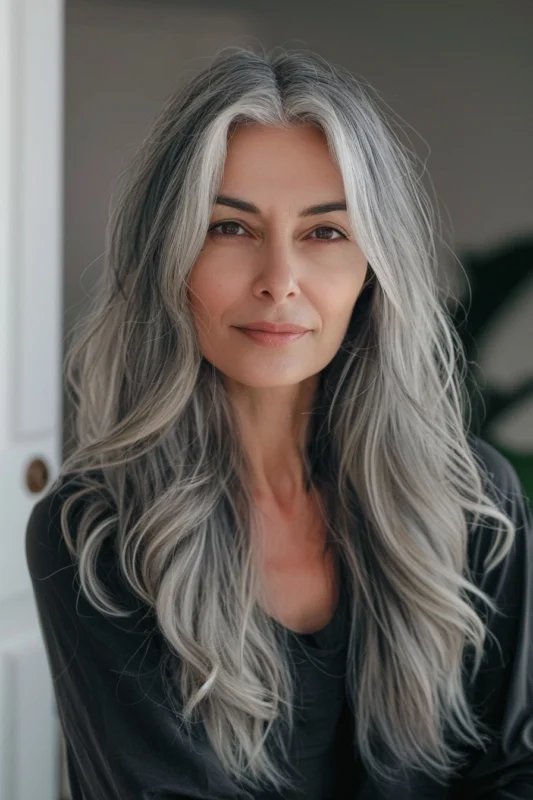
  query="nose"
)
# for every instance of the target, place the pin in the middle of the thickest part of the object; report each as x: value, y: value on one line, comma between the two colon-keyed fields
x: 277, y: 273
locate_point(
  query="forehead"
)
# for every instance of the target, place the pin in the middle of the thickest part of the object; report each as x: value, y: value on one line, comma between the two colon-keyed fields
x: 294, y: 160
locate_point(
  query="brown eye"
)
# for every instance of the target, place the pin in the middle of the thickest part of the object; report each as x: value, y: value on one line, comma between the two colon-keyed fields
x: 328, y: 238
x: 227, y: 223
x: 228, y: 229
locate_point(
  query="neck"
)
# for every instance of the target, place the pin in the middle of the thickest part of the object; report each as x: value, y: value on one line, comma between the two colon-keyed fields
x: 274, y: 424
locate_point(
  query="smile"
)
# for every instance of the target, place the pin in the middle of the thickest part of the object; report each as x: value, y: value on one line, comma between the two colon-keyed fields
x: 268, y: 339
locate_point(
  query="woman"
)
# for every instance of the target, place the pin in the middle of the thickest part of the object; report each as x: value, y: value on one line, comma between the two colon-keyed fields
x: 279, y: 565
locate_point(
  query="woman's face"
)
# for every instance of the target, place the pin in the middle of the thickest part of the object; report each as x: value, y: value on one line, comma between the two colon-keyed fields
x: 276, y: 263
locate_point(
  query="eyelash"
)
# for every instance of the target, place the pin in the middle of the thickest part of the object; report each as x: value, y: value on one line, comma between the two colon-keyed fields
x: 234, y: 235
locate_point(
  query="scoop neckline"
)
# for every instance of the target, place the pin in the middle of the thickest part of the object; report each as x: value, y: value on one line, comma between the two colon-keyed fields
x: 306, y: 636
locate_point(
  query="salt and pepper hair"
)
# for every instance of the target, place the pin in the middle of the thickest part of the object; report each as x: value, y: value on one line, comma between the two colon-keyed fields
x: 156, y: 436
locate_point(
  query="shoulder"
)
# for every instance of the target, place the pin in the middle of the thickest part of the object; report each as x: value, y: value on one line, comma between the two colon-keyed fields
x: 45, y: 546
x: 501, y: 482
x: 52, y: 563
x: 495, y: 465
x: 44, y: 537
x: 509, y: 575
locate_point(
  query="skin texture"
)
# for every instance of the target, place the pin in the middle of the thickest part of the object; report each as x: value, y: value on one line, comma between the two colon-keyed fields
x: 278, y: 266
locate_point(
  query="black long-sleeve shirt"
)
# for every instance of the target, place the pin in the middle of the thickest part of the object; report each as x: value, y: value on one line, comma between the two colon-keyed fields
x: 120, y: 731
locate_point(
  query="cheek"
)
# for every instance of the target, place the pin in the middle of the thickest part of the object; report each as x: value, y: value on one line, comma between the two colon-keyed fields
x: 336, y: 298
x: 207, y: 293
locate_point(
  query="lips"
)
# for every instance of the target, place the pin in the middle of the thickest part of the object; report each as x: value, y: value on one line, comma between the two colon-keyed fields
x: 269, y: 339
x: 274, y: 327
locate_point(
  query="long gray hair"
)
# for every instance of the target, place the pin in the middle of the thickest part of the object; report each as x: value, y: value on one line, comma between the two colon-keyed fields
x: 156, y: 435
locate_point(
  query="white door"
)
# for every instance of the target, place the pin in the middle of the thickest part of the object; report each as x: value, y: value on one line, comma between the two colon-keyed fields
x: 31, y: 155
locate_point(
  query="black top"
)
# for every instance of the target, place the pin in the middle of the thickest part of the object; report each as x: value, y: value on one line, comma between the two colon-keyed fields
x: 319, y: 659
x: 120, y: 731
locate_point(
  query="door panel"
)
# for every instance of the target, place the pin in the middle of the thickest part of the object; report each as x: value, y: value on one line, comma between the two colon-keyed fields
x: 31, y: 178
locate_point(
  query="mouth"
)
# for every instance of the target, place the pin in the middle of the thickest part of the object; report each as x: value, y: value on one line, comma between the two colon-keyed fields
x: 269, y: 339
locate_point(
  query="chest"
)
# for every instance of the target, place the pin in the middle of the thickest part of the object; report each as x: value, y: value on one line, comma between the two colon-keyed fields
x: 300, y: 580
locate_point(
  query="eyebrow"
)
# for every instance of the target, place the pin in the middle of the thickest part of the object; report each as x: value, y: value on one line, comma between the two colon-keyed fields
x: 243, y: 205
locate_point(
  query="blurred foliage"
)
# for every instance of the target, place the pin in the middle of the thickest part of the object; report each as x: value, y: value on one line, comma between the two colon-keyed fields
x: 495, y: 279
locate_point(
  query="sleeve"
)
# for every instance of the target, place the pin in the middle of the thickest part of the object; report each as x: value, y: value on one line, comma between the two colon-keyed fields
x: 503, y: 688
x: 122, y: 738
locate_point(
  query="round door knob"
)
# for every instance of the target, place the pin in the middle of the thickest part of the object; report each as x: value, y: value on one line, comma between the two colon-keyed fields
x: 37, y: 475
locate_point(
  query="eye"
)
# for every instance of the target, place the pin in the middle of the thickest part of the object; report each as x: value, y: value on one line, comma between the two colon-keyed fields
x: 233, y: 224
x: 328, y: 238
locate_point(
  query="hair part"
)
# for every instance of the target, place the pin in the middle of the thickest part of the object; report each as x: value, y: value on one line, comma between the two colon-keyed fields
x: 157, y: 443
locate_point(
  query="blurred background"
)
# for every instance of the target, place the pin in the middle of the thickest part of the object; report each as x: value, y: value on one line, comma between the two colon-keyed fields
x: 458, y: 76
